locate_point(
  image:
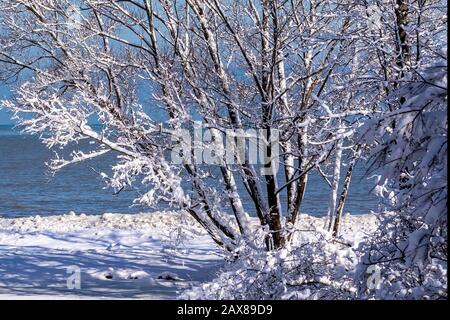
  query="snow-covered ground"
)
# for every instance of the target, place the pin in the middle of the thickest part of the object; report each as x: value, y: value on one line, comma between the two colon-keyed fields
x: 146, y: 256
x: 119, y: 256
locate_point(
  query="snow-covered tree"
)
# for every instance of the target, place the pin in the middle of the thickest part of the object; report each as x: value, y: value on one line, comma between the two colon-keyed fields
x: 327, y: 81
x: 409, y: 251
x: 149, y: 69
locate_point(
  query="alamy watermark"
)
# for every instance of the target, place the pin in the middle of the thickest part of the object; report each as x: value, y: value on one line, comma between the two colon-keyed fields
x: 374, y: 15
x: 373, y: 280
x: 73, y: 281
x: 74, y: 17
x: 212, y: 146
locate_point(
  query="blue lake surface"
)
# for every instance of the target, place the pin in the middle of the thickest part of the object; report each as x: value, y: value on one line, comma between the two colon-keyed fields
x: 27, y: 188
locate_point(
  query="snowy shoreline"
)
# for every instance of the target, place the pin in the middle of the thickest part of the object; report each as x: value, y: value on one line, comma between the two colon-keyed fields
x: 145, y: 256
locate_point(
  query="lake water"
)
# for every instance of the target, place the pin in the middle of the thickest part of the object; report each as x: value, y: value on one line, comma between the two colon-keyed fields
x: 26, y: 187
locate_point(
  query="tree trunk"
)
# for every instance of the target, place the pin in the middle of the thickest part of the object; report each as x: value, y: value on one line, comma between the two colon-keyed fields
x: 401, y: 14
x: 334, y: 185
x: 340, y: 207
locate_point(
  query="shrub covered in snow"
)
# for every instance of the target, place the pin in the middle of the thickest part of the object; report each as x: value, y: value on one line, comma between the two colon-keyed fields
x: 318, y: 268
x: 410, y: 248
x: 406, y: 258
